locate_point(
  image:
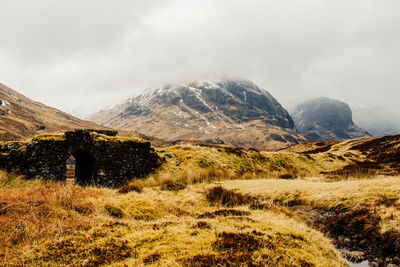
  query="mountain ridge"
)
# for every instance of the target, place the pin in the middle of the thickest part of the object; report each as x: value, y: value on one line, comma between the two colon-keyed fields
x: 323, y: 118
x: 230, y: 112
x: 22, y: 118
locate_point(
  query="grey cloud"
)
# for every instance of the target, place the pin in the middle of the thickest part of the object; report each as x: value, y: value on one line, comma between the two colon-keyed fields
x: 88, y: 54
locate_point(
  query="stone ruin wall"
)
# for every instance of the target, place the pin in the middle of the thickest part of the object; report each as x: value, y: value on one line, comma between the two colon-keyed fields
x: 101, y: 162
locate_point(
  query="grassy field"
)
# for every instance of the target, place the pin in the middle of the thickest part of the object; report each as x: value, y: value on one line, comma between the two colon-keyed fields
x: 208, y: 206
x: 188, y: 164
x: 262, y: 221
x: 365, y: 210
x: 66, y: 224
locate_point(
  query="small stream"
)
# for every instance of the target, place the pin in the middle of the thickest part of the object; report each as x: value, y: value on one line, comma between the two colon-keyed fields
x: 360, y: 264
x: 360, y: 260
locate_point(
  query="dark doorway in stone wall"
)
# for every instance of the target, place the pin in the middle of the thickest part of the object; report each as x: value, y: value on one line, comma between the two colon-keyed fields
x: 70, y: 166
x: 84, y: 168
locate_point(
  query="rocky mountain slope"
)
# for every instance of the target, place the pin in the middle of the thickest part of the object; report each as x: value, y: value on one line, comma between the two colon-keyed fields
x: 21, y: 117
x: 235, y: 113
x: 326, y: 119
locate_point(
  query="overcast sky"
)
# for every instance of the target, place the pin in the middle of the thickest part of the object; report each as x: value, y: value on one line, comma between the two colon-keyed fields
x: 82, y: 56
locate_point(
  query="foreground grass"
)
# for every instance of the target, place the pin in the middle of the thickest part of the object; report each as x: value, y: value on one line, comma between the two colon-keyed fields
x: 57, y: 224
x: 366, y: 211
x: 10, y: 180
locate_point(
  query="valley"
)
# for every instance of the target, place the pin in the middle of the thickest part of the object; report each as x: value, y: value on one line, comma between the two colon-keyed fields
x: 210, y: 205
x: 200, y: 133
x: 234, y: 183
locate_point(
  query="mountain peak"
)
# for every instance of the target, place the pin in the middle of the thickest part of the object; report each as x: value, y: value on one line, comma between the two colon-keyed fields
x: 324, y: 118
x: 233, y: 112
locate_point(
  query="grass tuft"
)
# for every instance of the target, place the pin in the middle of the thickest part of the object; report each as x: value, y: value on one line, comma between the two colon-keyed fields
x: 152, y: 258
x: 223, y: 212
x: 211, y: 260
x: 203, y: 225
x: 229, y: 198
x: 86, y: 249
x: 172, y: 186
x: 242, y: 242
x: 113, y: 211
x: 130, y: 188
x: 11, y: 180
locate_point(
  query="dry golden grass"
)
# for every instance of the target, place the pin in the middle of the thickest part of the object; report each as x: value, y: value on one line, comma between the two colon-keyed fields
x: 31, y: 211
x: 11, y: 180
x: 204, y: 206
x: 188, y: 164
x: 58, y: 224
x: 103, y: 137
x: 367, y: 209
x: 320, y: 194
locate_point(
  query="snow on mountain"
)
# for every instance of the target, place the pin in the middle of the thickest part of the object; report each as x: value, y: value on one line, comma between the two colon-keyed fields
x: 230, y: 112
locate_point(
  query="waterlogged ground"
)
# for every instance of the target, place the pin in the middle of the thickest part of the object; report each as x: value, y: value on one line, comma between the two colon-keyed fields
x: 362, y: 216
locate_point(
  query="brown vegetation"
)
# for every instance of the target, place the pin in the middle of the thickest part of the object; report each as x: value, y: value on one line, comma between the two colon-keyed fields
x: 200, y: 223
x: 203, y: 225
x: 359, y: 214
x: 130, y: 188
x: 172, y: 186
x: 229, y: 198
x: 59, y: 224
x: 223, y: 212
x: 362, y: 227
x: 242, y: 242
x: 27, y: 215
x: 152, y: 258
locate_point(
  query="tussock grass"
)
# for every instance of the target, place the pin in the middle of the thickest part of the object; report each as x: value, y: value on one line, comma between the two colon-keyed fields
x: 366, y: 211
x: 204, y: 206
x: 49, y: 137
x: 320, y: 194
x: 229, y: 198
x: 70, y: 225
x: 98, y: 246
x: 102, y: 137
x: 245, y: 242
x: 358, y: 170
x: 152, y: 258
x: 172, y: 186
x: 224, y: 212
x: 188, y: 164
x: 130, y: 188
x: 203, y: 225
x: 30, y: 214
x: 11, y: 180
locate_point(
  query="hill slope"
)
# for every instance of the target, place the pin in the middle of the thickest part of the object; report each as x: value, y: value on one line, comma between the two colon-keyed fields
x: 235, y: 113
x: 21, y: 117
x: 209, y: 220
x: 326, y: 119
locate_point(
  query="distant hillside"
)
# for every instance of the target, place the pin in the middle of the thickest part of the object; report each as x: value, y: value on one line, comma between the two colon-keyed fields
x: 235, y: 113
x: 379, y: 155
x: 326, y: 119
x: 21, y: 117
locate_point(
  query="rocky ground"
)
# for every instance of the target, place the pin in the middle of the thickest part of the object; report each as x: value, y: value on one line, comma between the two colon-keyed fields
x: 365, y: 246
